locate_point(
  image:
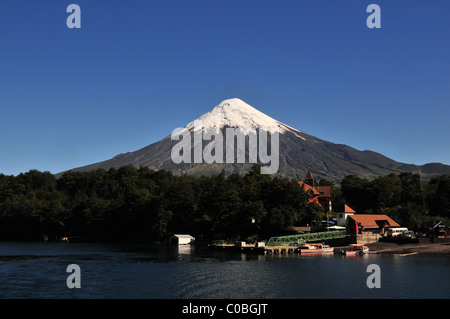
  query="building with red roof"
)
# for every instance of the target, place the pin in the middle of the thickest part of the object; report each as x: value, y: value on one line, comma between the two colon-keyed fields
x: 370, y: 223
x: 317, y: 194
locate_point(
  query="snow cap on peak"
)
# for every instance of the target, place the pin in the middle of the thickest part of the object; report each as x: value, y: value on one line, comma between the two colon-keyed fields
x: 233, y: 104
x: 236, y: 113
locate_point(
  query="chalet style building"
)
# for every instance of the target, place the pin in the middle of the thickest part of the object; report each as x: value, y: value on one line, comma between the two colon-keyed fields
x: 317, y: 194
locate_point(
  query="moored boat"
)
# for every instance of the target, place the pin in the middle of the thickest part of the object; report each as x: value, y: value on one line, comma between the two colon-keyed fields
x: 315, y: 249
x: 356, y: 249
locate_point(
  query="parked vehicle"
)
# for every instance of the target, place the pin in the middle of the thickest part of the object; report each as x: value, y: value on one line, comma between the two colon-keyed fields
x: 407, y: 237
x: 408, y: 234
x: 422, y: 235
x: 394, y: 232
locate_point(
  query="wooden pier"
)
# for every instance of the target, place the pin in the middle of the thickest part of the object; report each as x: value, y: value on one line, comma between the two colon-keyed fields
x: 260, y: 249
x: 282, y: 249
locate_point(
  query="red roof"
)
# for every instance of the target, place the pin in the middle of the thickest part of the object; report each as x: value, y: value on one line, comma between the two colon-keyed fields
x: 324, y: 191
x: 309, y: 188
x: 321, y: 191
x: 348, y: 209
x: 370, y: 220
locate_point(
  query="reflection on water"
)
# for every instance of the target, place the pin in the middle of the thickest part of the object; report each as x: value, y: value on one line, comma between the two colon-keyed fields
x: 38, y: 270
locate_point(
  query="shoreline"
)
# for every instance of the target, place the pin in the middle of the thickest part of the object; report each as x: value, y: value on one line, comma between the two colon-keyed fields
x: 423, y: 247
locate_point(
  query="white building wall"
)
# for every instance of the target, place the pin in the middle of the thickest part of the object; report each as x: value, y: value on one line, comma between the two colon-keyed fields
x: 342, y: 219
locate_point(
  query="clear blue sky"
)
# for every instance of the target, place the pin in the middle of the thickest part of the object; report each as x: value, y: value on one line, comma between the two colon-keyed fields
x: 138, y: 69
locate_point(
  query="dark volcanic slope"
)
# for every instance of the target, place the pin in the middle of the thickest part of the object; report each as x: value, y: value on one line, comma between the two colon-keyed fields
x: 298, y: 151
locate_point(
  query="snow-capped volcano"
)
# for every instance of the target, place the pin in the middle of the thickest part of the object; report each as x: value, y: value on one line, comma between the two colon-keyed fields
x: 298, y: 151
x: 236, y: 113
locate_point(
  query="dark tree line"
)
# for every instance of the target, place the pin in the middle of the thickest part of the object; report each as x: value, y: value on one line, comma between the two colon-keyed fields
x: 403, y: 197
x: 130, y: 204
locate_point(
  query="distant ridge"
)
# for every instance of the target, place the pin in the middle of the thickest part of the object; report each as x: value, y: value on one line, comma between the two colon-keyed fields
x: 298, y: 152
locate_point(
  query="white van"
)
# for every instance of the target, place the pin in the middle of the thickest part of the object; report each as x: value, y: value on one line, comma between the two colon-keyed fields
x: 393, y: 232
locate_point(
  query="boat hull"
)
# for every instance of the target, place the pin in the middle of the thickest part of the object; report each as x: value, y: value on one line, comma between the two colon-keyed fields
x: 316, y: 251
x: 352, y: 253
x: 361, y: 251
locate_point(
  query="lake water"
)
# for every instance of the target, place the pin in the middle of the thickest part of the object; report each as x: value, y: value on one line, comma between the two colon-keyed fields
x: 38, y: 270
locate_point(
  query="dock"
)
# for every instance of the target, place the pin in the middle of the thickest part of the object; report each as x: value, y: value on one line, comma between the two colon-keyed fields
x: 260, y: 248
x: 281, y: 249
x: 254, y: 249
x: 281, y: 244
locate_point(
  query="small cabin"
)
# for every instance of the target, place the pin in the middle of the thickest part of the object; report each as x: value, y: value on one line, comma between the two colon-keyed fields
x: 342, y: 218
x: 181, y: 239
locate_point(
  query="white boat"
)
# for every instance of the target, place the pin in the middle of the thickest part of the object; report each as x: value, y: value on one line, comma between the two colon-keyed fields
x: 356, y: 249
x: 315, y: 249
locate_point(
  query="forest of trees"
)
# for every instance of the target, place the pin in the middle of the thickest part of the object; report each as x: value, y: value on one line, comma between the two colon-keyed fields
x: 403, y: 197
x: 130, y: 204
